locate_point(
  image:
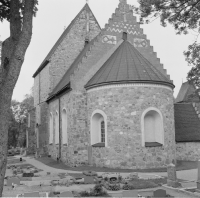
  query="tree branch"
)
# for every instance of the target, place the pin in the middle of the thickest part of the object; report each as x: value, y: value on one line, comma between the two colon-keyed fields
x: 15, y: 19
x: 22, y: 44
x: 4, y: 3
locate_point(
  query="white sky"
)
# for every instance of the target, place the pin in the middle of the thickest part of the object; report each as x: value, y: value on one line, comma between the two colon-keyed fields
x: 54, y: 15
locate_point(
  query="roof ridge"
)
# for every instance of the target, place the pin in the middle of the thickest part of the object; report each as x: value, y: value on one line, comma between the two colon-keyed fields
x: 146, y: 68
x: 109, y: 60
x: 65, y: 32
x: 135, y: 64
x: 119, y: 64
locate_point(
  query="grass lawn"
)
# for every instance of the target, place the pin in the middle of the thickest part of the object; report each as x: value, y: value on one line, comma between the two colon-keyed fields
x: 14, y: 161
x: 181, y: 165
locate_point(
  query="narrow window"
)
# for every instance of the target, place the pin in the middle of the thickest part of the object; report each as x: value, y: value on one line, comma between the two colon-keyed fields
x: 102, y: 131
x: 98, y: 129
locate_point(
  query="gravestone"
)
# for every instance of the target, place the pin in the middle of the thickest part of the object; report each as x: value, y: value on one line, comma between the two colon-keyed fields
x: 13, y: 180
x: 32, y: 194
x: 171, y: 176
x: 28, y: 175
x: 88, y: 180
x: 130, y: 193
x: 66, y: 194
x: 159, y: 193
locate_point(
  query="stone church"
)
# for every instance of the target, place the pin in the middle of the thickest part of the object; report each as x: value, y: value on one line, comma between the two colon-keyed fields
x: 102, y: 97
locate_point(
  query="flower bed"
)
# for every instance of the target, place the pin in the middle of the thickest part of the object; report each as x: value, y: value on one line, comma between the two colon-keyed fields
x: 132, y: 184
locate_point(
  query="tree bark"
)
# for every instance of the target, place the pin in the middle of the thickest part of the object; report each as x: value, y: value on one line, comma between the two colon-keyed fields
x: 13, y: 53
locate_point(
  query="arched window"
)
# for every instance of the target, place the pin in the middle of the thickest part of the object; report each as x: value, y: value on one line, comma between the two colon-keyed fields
x: 51, y: 129
x: 152, y: 128
x: 98, y: 129
x: 57, y: 128
x: 64, y: 127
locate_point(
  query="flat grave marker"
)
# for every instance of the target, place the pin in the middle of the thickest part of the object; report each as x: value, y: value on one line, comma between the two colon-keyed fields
x: 88, y: 180
x: 13, y: 180
x: 32, y: 194
x: 66, y: 194
x: 159, y: 193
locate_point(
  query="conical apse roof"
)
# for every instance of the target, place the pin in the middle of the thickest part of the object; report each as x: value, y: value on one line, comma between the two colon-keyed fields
x: 127, y: 65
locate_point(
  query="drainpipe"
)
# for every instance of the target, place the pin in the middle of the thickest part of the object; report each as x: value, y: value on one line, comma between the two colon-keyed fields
x: 59, y: 147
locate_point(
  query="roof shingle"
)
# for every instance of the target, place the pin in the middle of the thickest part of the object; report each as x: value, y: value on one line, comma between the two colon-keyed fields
x: 127, y: 65
x: 187, y: 123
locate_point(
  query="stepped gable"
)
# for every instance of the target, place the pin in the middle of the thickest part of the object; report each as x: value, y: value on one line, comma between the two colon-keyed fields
x: 127, y: 65
x: 124, y: 21
x: 64, y: 83
x: 187, y: 123
x: 64, y: 34
x: 187, y: 93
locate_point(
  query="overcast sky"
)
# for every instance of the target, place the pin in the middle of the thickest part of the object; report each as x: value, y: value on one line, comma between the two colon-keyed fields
x: 54, y: 15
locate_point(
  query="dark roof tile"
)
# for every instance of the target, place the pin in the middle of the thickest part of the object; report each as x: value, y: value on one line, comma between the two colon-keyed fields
x: 187, y: 123
x: 127, y: 65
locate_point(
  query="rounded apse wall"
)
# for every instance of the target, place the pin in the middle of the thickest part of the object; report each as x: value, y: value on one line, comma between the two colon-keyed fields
x: 139, y: 125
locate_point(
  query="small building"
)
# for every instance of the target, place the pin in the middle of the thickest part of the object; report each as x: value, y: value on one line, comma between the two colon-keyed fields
x: 187, y: 123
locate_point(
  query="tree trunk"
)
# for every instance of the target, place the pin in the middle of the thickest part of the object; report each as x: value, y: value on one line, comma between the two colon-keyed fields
x: 13, y: 53
x: 5, y: 99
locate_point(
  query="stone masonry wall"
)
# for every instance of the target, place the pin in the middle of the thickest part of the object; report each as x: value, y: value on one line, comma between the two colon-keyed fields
x: 70, y: 47
x: 124, y: 107
x: 60, y: 61
x: 188, y: 151
x: 75, y: 152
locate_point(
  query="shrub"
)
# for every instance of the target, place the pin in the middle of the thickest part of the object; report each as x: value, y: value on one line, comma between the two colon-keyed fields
x: 120, y: 178
x: 142, y: 183
x: 128, y: 187
x: 85, y: 194
x: 97, y: 191
x: 113, y: 187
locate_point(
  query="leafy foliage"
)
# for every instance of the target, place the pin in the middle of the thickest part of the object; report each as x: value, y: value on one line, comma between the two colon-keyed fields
x: 184, y: 15
x: 5, y: 9
x: 18, y: 121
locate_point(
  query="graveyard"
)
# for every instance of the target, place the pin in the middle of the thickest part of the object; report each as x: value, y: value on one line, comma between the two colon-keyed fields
x: 30, y: 178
